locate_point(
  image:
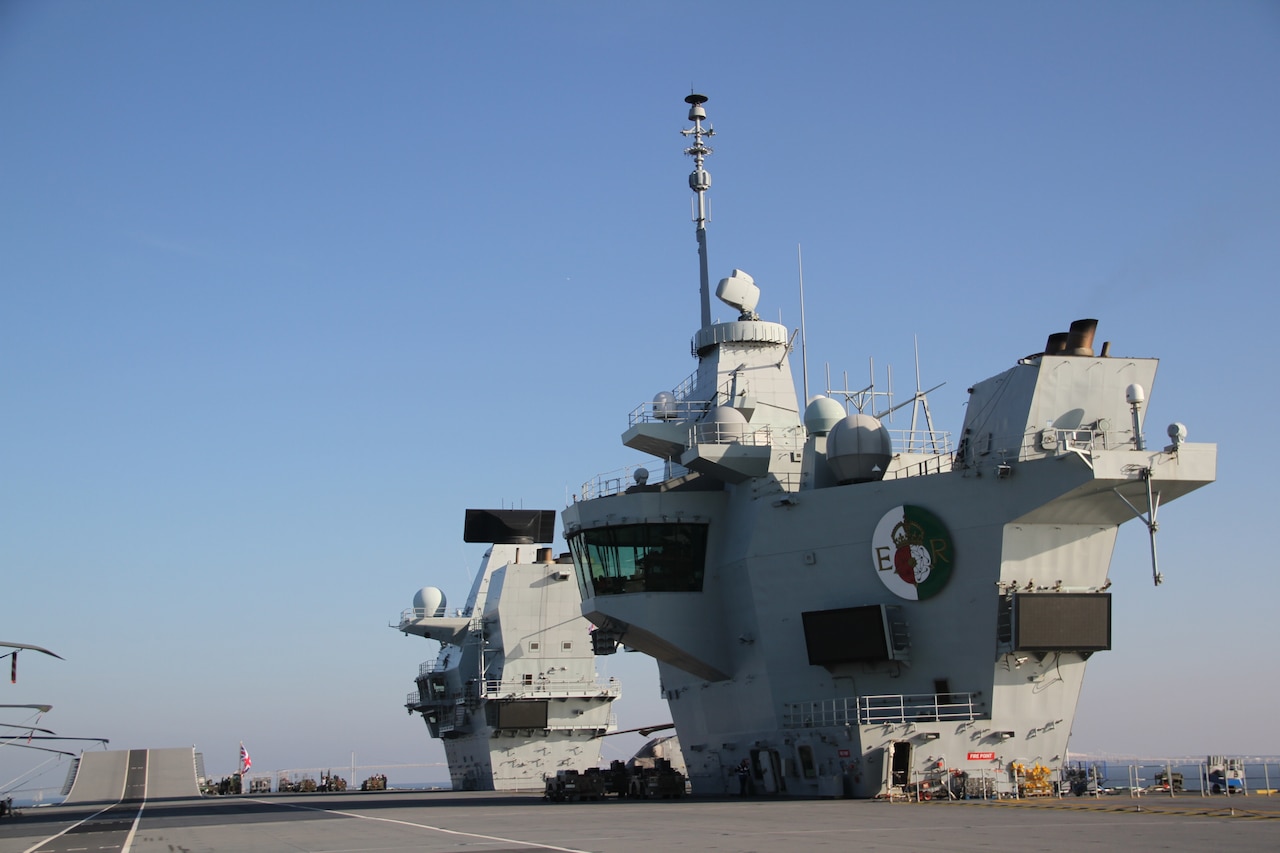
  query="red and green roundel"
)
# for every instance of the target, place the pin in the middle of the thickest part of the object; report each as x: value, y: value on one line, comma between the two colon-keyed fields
x: 912, y: 552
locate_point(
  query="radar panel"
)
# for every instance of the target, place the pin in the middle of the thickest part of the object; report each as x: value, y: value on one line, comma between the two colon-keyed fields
x: 846, y: 635
x: 509, y: 526
x: 518, y: 714
x: 1062, y: 622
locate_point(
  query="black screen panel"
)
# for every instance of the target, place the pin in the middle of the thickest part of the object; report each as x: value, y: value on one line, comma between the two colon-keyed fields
x: 1062, y: 622
x: 847, y: 635
x: 521, y: 714
x: 509, y: 526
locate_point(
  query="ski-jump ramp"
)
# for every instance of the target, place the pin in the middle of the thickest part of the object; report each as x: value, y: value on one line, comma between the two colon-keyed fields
x: 135, y: 774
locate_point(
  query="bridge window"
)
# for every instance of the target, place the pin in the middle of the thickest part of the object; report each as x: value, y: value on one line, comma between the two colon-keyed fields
x: 640, y: 558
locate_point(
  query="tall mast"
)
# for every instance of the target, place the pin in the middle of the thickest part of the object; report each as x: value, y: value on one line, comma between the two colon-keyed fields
x: 700, y: 182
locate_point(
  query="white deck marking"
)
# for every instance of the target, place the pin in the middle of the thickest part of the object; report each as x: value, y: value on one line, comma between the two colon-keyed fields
x: 430, y: 827
x: 40, y: 844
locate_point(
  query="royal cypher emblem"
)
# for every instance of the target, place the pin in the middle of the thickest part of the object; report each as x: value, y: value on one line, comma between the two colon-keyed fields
x: 912, y: 552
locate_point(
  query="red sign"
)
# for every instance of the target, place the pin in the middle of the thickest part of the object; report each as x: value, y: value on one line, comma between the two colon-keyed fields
x: 843, y: 753
x: 982, y: 756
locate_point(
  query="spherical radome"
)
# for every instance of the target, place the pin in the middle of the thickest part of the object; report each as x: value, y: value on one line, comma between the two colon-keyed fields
x: 723, y: 425
x: 664, y: 406
x: 859, y: 449
x: 429, y: 601
x: 822, y: 414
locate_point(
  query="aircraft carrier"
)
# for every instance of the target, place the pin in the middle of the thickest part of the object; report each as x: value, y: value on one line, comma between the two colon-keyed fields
x: 838, y: 611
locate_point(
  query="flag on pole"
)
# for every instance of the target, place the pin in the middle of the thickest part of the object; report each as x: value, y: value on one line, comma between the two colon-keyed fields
x: 245, y: 761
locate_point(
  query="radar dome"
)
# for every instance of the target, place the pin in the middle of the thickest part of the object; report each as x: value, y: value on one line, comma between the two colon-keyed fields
x: 664, y: 406
x: 822, y: 414
x: 859, y: 449
x: 722, y: 425
x: 429, y: 601
x: 739, y: 290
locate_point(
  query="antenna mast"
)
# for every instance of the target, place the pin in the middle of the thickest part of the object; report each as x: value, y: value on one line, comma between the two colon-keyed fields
x: 700, y: 182
x: 804, y: 352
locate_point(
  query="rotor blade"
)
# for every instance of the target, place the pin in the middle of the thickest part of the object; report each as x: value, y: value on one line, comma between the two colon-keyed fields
x: 28, y: 728
x: 43, y: 749
x: 41, y: 649
x: 43, y: 709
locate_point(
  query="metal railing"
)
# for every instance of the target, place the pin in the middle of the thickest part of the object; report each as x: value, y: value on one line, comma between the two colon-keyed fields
x: 1085, y: 441
x: 919, y: 707
x: 878, y: 710
x: 546, y: 688
x: 655, y: 412
x: 509, y: 689
x: 820, y: 713
x: 413, y: 614
x: 679, y: 406
x: 618, y: 480
x: 936, y: 442
x: 927, y: 465
x: 713, y: 432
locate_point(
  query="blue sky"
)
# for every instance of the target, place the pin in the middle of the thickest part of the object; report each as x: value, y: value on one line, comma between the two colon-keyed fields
x: 287, y: 286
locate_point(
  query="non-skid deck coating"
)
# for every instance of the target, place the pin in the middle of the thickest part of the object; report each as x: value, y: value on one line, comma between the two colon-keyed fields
x: 446, y: 822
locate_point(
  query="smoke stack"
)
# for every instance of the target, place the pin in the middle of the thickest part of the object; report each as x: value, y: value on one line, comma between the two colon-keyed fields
x: 1080, y: 337
x: 1057, y: 344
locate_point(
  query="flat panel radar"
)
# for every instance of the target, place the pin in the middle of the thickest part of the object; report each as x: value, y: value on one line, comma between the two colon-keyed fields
x: 519, y: 714
x: 847, y: 635
x: 509, y: 526
x: 1062, y: 622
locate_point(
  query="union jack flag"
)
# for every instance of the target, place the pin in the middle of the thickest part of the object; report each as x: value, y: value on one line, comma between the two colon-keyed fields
x: 245, y: 761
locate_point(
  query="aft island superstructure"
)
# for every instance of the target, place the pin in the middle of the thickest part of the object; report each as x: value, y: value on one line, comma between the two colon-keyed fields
x: 851, y: 610
x: 513, y: 693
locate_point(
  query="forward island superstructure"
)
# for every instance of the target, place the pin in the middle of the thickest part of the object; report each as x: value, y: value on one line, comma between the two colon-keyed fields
x: 850, y: 610
x: 513, y: 693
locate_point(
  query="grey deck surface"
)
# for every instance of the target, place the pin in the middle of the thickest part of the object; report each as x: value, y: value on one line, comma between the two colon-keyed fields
x: 446, y: 822
x: 100, y: 777
x: 105, y: 777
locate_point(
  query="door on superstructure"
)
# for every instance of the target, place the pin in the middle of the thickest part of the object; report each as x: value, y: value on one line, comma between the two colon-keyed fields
x: 768, y: 768
x: 899, y: 764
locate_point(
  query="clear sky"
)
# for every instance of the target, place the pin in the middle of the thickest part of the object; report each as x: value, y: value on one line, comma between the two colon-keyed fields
x: 287, y: 286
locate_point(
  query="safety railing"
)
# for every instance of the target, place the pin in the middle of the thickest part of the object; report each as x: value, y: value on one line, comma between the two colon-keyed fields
x: 915, y: 708
x: 678, y: 406
x: 1084, y: 441
x: 413, y: 614
x: 936, y: 442
x: 877, y: 710
x: 926, y: 465
x: 665, y: 411
x: 842, y: 711
x: 617, y: 481
x: 713, y: 432
x: 549, y: 689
